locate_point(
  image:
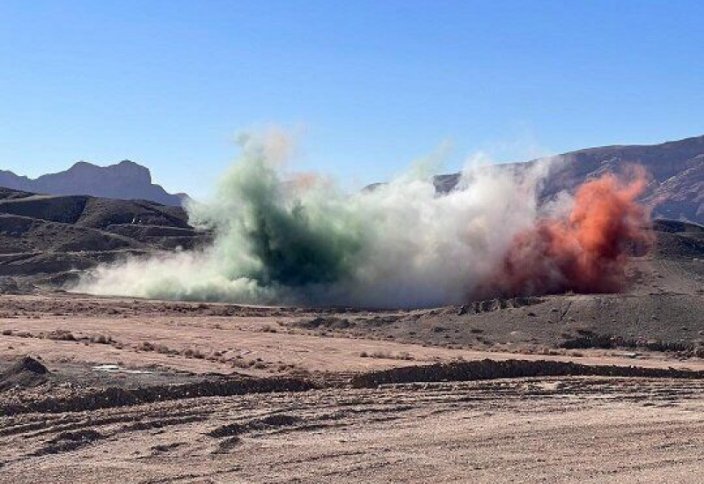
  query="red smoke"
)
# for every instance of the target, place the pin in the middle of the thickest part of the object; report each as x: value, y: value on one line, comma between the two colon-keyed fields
x: 586, y: 251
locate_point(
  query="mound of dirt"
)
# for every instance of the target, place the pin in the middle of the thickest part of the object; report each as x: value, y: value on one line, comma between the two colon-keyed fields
x: 27, y: 372
x: 95, y: 398
x: 491, y: 369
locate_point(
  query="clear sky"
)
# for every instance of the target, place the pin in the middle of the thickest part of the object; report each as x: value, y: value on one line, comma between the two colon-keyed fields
x: 371, y: 85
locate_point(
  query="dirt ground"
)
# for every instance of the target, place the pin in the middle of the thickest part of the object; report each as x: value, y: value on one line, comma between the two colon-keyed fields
x: 541, y: 429
x: 276, y: 404
x: 72, y: 331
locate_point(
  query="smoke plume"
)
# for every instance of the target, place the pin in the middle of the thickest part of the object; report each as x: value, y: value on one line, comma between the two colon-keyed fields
x: 301, y: 240
x: 585, y: 251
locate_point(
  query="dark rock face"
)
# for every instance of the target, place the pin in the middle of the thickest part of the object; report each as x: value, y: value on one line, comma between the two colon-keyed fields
x: 677, y: 170
x: 126, y: 181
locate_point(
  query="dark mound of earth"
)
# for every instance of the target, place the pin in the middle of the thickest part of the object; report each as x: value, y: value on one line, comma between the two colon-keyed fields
x: 95, y: 398
x: 491, y: 369
x: 27, y: 372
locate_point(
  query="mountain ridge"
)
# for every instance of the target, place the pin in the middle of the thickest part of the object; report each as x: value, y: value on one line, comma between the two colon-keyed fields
x: 676, y: 168
x: 125, y: 180
x: 676, y: 190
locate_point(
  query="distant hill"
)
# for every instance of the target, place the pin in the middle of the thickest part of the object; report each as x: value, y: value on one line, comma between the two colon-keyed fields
x: 49, y: 237
x: 677, y: 168
x: 125, y: 181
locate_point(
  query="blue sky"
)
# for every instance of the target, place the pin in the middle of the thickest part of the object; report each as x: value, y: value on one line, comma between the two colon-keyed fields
x: 371, y: 85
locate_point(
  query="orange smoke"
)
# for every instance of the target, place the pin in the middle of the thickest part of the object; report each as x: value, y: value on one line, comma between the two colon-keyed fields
x: 586, y: 251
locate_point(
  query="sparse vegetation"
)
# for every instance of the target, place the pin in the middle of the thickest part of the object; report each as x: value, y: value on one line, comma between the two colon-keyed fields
x: 588, y: 339
x: 193, y: 353
x: 145, y: 346
x: 60, y: 335
x: 403, y: 355
x: 102, y: 339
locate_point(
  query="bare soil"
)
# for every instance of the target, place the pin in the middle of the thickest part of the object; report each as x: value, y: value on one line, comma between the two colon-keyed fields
x: 154, y: 391
x: 569, y: 429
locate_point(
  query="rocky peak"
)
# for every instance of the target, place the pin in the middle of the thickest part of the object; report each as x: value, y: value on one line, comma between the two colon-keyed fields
x: 125, y: 180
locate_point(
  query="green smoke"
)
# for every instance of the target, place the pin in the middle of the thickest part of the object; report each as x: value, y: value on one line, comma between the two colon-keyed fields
x: 284, y: 238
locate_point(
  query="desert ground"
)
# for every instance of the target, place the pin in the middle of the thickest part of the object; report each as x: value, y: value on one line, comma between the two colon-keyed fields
x: 557, y: 388
x: 538, y: 429
x: 155, y: 391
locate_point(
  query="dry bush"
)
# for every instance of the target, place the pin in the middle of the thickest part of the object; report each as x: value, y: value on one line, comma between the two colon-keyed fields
x: 164, y: 350
x: 101, y: 339
x: 60, y: 335
x: 193, y: 353
x: 403, y: 355
x: 145, y: 346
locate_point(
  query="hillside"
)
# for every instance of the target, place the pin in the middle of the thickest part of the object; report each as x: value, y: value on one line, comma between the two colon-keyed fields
x: 125, y: 180
x: 49, y: 237
x: 677, y: 169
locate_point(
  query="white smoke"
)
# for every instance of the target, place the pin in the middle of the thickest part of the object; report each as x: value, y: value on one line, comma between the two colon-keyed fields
x: 301, y: 240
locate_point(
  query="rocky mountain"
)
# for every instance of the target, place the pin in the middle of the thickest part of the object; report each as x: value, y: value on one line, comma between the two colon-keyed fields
x: 676, y: 190
x: 125, y: 181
